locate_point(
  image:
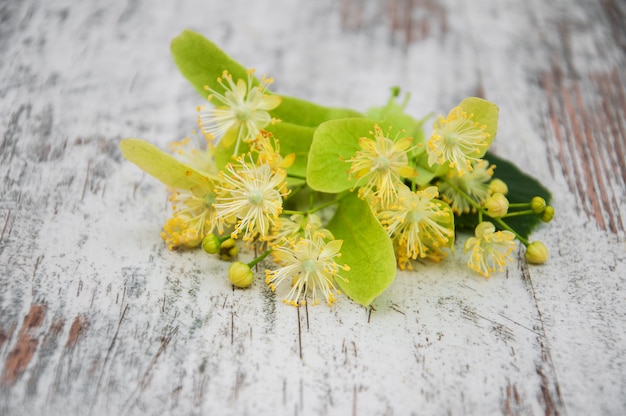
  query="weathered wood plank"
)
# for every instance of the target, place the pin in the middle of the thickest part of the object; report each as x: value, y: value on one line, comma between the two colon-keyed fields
x: 97, y: 317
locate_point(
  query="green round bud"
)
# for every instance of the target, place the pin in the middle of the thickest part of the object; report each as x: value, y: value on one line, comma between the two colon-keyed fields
x: 498, y: 186
x: 240, y: 274
x: 536, y: 253
x: 538, y: 204
x: 548, y: 214
x: 228, y: 249
x: 496, y: 205
x: 211, y: 244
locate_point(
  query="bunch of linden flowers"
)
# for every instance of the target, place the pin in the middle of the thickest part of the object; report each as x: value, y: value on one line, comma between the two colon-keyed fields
x: 337, y: 198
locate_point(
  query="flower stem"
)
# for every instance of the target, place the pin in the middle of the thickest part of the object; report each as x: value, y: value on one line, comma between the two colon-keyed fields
x: 481, y: 211
x: 506, y: 227
x: 315, y: 209
x: 295, y: 191
x: 222, y: 239
x: 291, y: 175
x: 293, y: 212
x: 326, y: 204
x: 518, y: 213
x: 260, y: 258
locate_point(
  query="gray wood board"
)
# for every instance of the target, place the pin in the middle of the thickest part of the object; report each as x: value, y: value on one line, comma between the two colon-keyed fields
x: 98, y: 317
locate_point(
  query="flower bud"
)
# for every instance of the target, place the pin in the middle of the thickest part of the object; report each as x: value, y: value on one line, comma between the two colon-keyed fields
x: 548, y: 214
x: 211, y: 244
x: 538, y: 204
x: 240, y: 274
x: 498, y: 186
x: 536, y: 253
x: 228, y: 249
x: 496, y: 205
x: 484, y: 228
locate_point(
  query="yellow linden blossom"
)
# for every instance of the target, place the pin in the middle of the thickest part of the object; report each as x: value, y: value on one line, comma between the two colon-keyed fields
x: 474, y: 184
x: 189, y: 151
x: 457, y: 140
x: 309, y: 265
x: 268, y: 149
x: 243, y: 107
x: 194, y: 212
x: 193, y: 218
x: 491, y: 249
x: 251, y: 197
x: 297, y: 226
x: 419, y: 224
x: 381, y: 163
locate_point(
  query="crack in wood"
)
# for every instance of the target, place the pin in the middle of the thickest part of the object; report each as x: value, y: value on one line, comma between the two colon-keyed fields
x: 6, y: 222
x: 299, y: 333
x: 145, y: 379
x: 553, y: 405
x: 106, y: 360
x: 82, y: 195
x: 369, y: 314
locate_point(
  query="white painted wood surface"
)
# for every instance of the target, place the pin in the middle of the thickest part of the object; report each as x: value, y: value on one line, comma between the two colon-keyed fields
x: 98, y: 317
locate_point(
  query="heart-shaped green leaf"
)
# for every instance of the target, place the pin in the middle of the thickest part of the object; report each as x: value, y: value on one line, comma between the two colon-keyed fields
x: 366, y: 249
x: 335, y: 142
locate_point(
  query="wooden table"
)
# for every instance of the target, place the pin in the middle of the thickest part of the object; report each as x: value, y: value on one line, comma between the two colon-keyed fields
x: 97, y: 317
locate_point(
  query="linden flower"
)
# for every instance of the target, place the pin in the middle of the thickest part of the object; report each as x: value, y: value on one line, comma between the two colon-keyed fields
x: 243, y: 107
x: 473, y: 184
x: 189, y: 151
x: 193, y: 218
x: 298, y: 226
x: 491, y: 249
x: 457, y: 139
x: 419, y: 224
x: 252, y: 196
x: 381, y: 163
x: 194, y: 213
x: 309, y: 265
x: 268, y: 149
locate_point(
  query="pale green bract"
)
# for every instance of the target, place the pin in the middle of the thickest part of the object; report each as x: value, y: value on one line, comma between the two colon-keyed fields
x: 485, y: 113
x: 163, y: 166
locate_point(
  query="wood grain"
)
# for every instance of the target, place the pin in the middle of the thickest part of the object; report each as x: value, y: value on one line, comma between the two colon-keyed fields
x: 97, y: 317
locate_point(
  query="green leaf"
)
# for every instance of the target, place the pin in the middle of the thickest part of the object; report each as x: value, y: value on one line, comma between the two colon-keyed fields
x: 163, y: 166
x: 305, y: 113
x: 202, y: 62
x: 522, y: 188
x: 366, y: 249
x: 485, y: 112
x: 334, y: 142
